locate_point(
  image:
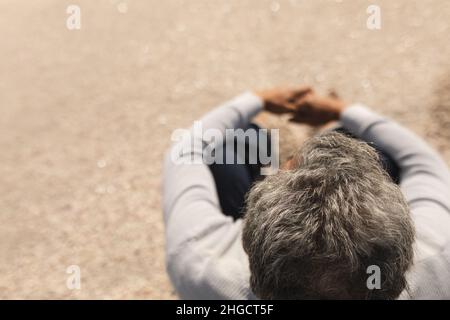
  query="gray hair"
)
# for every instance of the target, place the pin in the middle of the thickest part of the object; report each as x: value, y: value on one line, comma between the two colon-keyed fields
x: 311, y: 232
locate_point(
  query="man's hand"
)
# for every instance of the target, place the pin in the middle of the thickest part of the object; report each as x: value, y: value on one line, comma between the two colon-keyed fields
x: 304, y: 105
x: 282, y: 100
x: 316, y: 110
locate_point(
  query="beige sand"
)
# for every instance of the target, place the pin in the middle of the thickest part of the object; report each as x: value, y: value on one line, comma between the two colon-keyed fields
x: 86, y: 115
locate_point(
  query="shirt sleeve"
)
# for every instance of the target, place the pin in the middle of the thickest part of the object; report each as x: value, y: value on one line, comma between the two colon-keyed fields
x: 198, y: 234
x: 424, y: 176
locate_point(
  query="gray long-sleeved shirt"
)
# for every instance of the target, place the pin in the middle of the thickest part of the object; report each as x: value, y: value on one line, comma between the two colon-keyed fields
x: 204, y: 254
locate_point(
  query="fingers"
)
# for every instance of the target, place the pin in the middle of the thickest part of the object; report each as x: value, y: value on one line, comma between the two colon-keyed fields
x: 301, y: 91
x: 291, y: 107
x: 305, y: 100
x: 332, y: 94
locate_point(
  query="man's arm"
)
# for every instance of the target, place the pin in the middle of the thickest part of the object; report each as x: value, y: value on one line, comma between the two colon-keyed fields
x: 424, y: 176
x: 205, y: 258
x: 197, y: 232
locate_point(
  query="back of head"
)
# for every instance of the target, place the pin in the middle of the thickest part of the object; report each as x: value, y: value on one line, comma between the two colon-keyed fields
x: 312, y: 232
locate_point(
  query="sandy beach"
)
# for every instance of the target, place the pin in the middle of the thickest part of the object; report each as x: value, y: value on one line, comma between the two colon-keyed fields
x: 86, y: 115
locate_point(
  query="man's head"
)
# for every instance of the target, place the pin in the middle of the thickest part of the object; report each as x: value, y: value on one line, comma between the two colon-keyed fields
x: 312, y: 232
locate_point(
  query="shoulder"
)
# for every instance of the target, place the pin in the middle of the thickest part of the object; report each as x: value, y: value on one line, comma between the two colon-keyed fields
x: 199, y: 272
x: 429, y: 277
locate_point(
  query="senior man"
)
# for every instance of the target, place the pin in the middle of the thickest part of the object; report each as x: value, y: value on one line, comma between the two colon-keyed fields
x: 370, y: 196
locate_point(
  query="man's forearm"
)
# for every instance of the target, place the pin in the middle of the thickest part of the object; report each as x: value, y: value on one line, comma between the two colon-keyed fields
x: 196, y: 229
x: 424, y: 175
x: 233, y: 114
